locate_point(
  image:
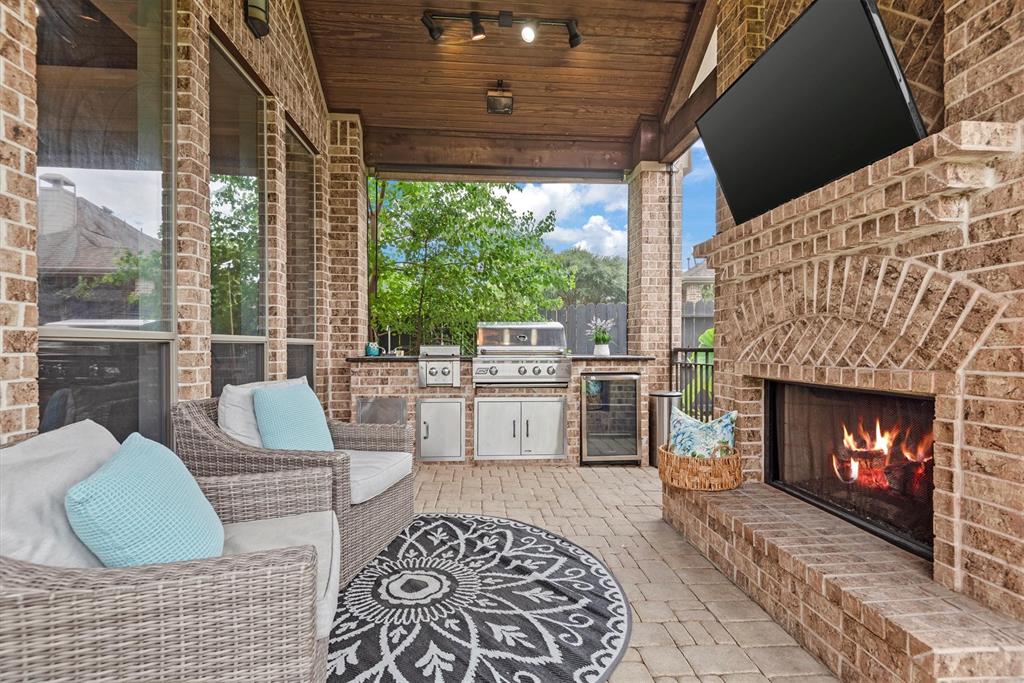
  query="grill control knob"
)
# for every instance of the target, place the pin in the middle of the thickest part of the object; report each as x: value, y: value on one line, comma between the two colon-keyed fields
x: 536, y: 369
x: 522, y: 369
x: 551, y: 369
x: 446, y: 371
x: 432, y: 371
x: 493, y: 370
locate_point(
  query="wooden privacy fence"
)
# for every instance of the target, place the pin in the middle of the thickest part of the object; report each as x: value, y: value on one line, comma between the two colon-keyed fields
x: 576, y: 317
x: 698, y: 317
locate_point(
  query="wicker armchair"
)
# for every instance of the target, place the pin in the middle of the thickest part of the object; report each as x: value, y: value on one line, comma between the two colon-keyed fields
x: 366, y: 529
x: 234, y: 618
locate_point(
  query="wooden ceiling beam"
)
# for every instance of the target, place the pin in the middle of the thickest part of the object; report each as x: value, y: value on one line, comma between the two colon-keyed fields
x: 700, y: 31
x: 646, y: 144
x: 680, y: 131
x: 399, y: 152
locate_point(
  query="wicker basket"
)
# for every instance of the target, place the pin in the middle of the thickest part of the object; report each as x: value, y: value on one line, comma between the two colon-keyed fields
x: 699, y: 474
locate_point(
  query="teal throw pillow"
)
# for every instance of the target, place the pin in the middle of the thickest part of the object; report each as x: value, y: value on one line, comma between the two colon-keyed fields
x: 143, y: 506
x: 290, y: 418
x: 690, y: 436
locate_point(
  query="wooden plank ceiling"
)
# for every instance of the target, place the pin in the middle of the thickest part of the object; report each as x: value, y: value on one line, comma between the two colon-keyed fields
x: 422, y: 103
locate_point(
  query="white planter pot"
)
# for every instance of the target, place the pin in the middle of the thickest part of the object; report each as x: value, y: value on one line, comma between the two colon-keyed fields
x: 602, y: 350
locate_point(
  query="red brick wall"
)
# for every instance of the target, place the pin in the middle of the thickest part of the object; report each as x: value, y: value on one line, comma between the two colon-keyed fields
x: 984, y: 59
x: 192, y: 210
x: 346, y: 295
x: 283, y: 64
x: 277, y: 255
x: 653, y: 316
x: 19, y: 413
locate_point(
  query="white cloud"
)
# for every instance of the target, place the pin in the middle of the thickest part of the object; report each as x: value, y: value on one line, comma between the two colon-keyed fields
x: 568, y: 199
x: 597, y: 236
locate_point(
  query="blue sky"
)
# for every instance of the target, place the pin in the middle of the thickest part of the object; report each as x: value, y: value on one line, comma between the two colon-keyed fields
x: 593, y: 216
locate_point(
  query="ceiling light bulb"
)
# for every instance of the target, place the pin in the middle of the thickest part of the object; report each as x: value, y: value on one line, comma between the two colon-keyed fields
x: 529, y: 32
x: 478, y: 28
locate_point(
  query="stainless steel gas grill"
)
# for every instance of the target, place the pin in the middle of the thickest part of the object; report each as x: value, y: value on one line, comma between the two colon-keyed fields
x: 521, y: 354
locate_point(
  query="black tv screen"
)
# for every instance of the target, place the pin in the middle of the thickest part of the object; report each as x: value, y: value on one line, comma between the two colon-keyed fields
x: 826, y: 98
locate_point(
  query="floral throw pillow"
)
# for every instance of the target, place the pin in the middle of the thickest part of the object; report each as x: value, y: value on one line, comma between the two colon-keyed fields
x: 689, y: 436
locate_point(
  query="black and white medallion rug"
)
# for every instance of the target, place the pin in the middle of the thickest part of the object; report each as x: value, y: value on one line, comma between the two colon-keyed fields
x: 473, y: 599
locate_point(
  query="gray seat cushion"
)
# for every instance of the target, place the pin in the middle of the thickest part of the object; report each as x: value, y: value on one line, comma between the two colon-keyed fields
x: 371, y: 473
x: 35, y: 476
x: 318, y: 529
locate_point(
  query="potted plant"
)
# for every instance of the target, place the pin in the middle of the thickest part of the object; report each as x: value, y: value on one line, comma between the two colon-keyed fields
x: 601, y: 332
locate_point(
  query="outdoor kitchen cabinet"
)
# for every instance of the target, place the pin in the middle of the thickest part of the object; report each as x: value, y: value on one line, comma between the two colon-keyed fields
x: 520, y: 428
x: 441, y: 428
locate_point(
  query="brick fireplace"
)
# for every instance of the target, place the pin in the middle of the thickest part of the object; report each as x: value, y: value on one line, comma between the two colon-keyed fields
x: 903, y: 280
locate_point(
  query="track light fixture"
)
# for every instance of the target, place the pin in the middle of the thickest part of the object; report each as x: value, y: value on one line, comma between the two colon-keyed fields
x: 478, y: 28
x: 574, y: 33
x: 529, y: 28
x: 432, y: 28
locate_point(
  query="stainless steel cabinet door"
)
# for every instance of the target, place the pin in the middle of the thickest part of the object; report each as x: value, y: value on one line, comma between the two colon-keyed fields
x: 498, y: 428
x: 441, y: 430
x: 543, y: 428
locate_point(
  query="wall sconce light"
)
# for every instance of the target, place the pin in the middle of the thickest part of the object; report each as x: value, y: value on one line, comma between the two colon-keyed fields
x: 257, y: 16
x: 504, y: 19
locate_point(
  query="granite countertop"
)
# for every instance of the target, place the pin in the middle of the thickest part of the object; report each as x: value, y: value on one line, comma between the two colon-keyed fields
x: 413, y: 359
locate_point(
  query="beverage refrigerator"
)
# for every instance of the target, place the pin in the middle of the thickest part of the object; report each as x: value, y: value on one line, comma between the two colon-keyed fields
x: 610, y: 418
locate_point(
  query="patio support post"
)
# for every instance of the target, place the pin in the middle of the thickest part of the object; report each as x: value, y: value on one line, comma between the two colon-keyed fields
x: 654, y: 315
x: 192, y: 201
x: 19, y: 411
x: 346, y: 296
x: 277, y: 254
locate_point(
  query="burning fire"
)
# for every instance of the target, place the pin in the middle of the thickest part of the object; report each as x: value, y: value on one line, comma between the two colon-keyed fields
x: 888, y: 459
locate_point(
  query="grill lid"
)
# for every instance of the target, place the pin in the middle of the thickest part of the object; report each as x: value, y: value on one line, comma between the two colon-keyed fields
x: 440, y: 351
x: 534, y: 338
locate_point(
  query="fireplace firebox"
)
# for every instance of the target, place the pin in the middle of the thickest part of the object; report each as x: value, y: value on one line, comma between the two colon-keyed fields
x: 864, y: 456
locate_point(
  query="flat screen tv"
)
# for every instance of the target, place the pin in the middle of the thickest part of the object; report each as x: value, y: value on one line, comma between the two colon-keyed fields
x: 826, y: 98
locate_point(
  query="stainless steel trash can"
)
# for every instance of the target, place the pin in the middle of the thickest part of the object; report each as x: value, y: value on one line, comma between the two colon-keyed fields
x: 660, y: 420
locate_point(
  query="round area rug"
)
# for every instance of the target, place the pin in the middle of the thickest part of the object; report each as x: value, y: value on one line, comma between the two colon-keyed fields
x: 466, y: 598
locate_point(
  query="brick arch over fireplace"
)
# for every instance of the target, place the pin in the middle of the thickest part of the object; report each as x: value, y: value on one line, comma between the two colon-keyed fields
x: 863, y: 311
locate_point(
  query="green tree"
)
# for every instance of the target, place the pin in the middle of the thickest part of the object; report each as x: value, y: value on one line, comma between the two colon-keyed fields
x: 597, y: 279
x: 235, y: 254
x: 451, y: 254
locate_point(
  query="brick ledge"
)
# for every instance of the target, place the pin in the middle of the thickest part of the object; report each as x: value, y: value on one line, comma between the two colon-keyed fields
x: 867, y: 609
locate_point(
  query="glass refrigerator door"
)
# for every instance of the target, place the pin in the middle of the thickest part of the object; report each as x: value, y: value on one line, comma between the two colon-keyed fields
x: 611, y: 420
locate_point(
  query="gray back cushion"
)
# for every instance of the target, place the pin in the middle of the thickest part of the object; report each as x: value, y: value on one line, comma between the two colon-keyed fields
x: 35, y: 476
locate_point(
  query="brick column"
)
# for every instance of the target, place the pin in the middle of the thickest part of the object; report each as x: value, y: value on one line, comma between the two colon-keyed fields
x: 346, y: 294
x: 19, y: 317
x: 321, y: 278
x: 277, y: 239
x: 653, y: 320
x: 192, y: 210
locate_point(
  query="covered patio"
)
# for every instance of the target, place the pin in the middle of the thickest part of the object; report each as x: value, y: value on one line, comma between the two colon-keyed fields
x: 186, y: 211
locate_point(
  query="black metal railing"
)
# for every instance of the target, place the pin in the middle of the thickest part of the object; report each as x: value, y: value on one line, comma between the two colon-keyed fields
x: 693, y: 374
